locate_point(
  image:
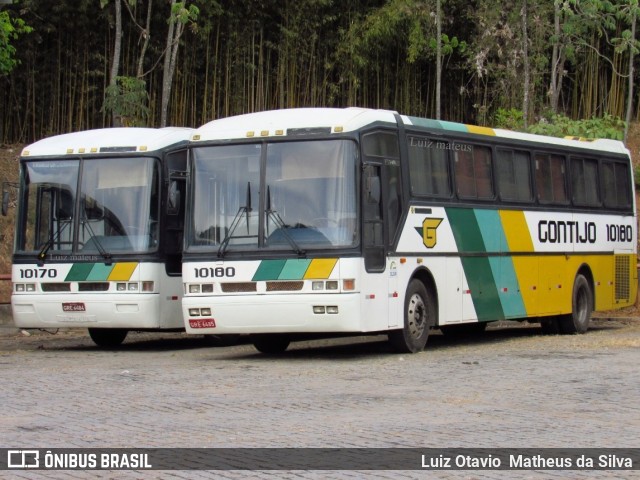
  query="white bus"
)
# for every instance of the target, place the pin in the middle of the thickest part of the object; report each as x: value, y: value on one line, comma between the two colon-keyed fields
x: 99, y: 229
x: 354, y: 220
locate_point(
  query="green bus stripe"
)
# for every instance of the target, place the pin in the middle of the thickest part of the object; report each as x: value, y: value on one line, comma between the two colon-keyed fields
x: 100, y: 271
x: 79, y: 272
x: 268, y: 270
x: 466, y: 230
x: 294, y: 269
x: 491, y: 230
x: 482, y: 284
x: 480, y: 276
x: 511, y: 298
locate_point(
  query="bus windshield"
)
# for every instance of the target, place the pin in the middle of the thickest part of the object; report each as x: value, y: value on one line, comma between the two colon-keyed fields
x: 280, y: 196
x: 112, y: 208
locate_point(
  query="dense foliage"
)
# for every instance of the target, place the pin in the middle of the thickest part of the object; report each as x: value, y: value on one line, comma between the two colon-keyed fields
x: 492, y: 63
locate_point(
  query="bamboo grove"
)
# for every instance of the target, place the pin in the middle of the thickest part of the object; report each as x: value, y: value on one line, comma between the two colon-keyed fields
x: 459, y: 60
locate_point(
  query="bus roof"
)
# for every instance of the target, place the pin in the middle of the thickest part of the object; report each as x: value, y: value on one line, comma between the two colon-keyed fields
x: 105, y: 140
x: 602, y: 144
x: 286, y: 122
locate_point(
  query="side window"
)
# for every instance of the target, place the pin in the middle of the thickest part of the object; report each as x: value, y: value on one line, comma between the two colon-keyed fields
x: 551, y: 179
x: 584, y: 181
x: 429, y: 167
x: 473, y: 172
x: 616, y: 184
x: 174, y: 209
x: 382, y: 149
x: 373, y: 233
x: 381, y: 144
x: 513, y: 169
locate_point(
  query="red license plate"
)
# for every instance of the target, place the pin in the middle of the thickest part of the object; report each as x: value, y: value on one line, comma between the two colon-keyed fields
x: 202, y: 323
x: 73, y: 307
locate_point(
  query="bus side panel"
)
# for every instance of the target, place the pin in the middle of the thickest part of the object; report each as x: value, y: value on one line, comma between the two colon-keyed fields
x: 170, y: 299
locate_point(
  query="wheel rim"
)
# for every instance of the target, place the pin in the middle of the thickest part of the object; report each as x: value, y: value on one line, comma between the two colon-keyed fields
x: 417, y: 316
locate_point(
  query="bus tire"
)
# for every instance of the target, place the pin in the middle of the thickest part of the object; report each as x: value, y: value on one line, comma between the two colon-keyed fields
x: 581, y: 307
x: 419, y: 316
x: 108, y: 337
x: 271, y: 343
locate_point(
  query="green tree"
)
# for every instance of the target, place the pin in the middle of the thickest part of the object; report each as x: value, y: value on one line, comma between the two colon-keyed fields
x: 413, y: 26
x: 126, y: 100
x: 10, y: 29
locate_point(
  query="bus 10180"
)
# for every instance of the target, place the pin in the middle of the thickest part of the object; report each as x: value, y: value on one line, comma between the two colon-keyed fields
x: 98, y: 240
x: 359, y: 221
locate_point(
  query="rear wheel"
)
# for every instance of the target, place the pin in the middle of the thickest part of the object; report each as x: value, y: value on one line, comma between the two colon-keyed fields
x: 108, y: 337
x: 270, y: 342
x: 419, y: 316
x: 581, y: 307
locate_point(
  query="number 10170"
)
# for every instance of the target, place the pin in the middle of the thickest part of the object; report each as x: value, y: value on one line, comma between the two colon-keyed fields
x: 38, y: 272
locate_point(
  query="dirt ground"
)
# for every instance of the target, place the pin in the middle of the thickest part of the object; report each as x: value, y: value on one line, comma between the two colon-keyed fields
x: 9, y: 155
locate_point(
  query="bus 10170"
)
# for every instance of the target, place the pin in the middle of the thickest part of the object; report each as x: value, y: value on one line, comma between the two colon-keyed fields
x: 359, y: 221
x: 98, y: 240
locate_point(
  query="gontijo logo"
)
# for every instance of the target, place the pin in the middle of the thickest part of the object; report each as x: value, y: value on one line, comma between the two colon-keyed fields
x: 429, y: 231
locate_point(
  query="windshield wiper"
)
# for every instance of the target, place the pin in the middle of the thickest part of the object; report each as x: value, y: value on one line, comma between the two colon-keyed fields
x: 106, y: 255
x: 282, y: 227
x: 246, y: 209
x: 47, y: 246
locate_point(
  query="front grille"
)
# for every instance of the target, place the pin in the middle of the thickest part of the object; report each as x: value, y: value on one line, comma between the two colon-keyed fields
x: 284, y: 286
x: 238, y: 287
x: 56, y: 287
x: 93, y: 286
x: 622, y: 278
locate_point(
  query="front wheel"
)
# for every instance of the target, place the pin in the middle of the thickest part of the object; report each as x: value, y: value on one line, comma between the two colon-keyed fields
x: 108, y: 337
x: 270, y: 343
x: 419, y: 316
x: 581, y: 307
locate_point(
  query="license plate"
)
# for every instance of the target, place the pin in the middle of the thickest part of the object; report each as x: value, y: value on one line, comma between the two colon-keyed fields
x: 202, y: 323
x: 73, y: 307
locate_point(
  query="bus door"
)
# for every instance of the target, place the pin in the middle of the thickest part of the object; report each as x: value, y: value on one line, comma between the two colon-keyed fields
x: 382, y: 209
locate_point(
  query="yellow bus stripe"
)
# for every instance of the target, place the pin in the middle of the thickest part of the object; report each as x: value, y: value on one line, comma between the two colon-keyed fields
x: 516, y: 230
x: 122, y: 271
x: 320, y: 268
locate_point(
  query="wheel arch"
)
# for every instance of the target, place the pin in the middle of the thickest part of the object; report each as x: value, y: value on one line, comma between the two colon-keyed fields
x: 425, y: 276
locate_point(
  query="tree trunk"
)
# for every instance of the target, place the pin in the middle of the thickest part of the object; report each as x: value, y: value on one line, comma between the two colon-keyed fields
x: 145, y: 44
x: 438, y: 57
x: 630, y: 92
x: 556, y: 65
x: 115, y: 64
x: 527, y: 74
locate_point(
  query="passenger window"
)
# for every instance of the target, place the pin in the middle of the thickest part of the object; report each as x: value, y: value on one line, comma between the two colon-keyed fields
x: 616, y: 184
x: 429, y: 167
x: 473, y: 172
x: 584, y: 181
x: 551, y: 179
x: 514, y: 175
